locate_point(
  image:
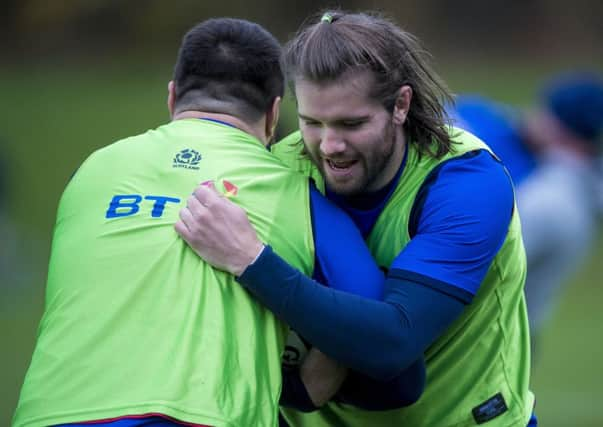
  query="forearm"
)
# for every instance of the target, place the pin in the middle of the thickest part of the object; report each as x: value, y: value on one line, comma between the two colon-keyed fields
x: 322, y: 376
x: 371, y: 337
x: 369, y: 394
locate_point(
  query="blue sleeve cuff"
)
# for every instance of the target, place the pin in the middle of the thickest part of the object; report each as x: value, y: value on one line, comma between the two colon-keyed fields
x: 455, y: 292
x: 261, y: 276
x: 257, y: 265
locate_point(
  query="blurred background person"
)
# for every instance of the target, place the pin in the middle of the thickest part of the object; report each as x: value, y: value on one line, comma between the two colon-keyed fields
x: 551, y: 153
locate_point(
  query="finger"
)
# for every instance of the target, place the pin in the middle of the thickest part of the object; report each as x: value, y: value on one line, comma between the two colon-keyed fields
x: 196, y: 208
x: 210, y: 184
x: 204, y: 184
x: 207, y: 196
x: 189, y: 233
x: 181, y: 229
x: 189, y: 221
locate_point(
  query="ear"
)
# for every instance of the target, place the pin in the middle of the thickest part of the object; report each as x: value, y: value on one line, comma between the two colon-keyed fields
x: 272, y: 118
x: 402, y: 105
x: 171, y: 99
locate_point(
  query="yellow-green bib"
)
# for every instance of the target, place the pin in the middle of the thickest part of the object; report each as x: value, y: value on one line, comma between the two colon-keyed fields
x: 135, y: 323
x: 485, y: 352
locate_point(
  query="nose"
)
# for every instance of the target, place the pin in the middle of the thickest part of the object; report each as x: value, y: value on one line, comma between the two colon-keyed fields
x: 331, y: 142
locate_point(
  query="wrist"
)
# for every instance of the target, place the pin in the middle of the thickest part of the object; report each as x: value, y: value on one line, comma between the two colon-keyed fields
x: 251, y: 258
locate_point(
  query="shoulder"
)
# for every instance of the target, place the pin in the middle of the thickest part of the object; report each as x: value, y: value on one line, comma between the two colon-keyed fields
x: 290, y: 150
x: 460, y: 220
x: 475, y: 185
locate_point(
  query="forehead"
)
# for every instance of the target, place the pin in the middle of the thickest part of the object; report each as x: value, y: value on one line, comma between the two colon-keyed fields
x: 345, y: 96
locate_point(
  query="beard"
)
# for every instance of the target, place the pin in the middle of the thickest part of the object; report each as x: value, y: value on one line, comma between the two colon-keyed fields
x: 372, y: 167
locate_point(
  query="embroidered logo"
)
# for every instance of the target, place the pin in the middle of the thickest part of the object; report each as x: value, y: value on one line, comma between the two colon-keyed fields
x: 187, y: 159
x: 230, y: 188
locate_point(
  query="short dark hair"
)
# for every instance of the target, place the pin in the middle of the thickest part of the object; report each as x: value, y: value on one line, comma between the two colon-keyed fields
x: 228, y: 63
x: 334, y: 43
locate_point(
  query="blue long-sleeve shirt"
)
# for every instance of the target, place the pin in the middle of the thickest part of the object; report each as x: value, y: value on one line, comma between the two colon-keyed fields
x: 458, y: 225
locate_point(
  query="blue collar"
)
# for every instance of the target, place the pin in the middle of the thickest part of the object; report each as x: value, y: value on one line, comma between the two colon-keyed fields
x: 218, y: 121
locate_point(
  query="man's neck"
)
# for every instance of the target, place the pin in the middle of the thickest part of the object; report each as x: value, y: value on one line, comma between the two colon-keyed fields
x: 219, y: 117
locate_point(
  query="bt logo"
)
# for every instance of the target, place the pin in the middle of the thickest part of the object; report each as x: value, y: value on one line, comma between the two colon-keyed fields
x: 129, y: 204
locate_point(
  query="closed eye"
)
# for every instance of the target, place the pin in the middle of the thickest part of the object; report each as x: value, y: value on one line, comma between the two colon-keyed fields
x: 352, y: 124
x: 310, y: 122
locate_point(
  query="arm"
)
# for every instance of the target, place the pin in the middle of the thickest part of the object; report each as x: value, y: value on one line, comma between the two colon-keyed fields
x: 358, y: 390
x: 322, y: 376
x: 380, y: 338
x: 457, y: 235
x: 371, y: 395
x: 344, y: 262
x: 557, y: 226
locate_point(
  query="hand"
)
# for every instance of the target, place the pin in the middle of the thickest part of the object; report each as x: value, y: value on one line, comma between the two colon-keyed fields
x: 322, y: 376
x: 218, y: 230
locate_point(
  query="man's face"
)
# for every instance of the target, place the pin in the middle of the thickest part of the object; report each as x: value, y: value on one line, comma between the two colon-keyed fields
x: 351, y: 138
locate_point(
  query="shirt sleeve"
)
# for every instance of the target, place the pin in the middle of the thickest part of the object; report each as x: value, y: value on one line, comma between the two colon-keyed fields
x: 459, y: 222
x: 343, y: 261
x: 371, y: 395
x: 379, y: 339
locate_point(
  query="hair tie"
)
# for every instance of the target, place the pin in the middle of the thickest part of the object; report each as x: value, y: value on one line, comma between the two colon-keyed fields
x: 327, y: 17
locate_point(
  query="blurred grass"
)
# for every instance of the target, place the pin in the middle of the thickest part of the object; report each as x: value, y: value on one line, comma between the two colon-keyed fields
x: 568, y: 377
x: 53, y: 117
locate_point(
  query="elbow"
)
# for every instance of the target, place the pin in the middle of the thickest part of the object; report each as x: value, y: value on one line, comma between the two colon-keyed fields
x: 374, y: 395
x: 408, y: 386
x: 397, y: 359
x: 386, y: 372
x: 394, y: 348
x: 418, y: 377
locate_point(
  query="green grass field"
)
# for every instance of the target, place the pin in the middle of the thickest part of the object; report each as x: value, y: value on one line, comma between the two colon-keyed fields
x: 53, y: 117
x: 567, y: 377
